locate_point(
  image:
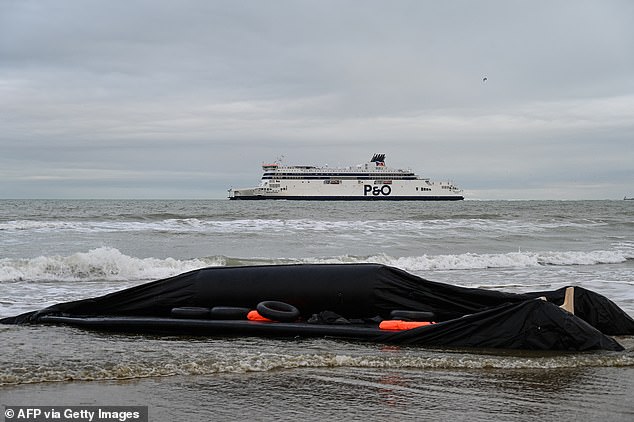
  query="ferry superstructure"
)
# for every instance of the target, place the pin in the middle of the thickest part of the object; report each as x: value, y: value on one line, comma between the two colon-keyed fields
x: 370, y: 181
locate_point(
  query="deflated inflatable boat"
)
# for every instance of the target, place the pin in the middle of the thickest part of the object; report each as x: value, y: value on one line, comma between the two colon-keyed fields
x: 348, y: 301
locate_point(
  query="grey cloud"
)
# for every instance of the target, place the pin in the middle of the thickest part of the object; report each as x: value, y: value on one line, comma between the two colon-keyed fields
x: 156, y: 86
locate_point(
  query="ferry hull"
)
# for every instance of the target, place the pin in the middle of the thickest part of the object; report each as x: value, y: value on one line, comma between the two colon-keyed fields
x: 349, y: 198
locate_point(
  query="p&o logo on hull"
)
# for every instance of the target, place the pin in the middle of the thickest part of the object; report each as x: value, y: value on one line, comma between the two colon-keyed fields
x: 384, y: 190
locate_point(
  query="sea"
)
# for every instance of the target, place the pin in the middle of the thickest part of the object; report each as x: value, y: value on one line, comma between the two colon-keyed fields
x: 54, y: 251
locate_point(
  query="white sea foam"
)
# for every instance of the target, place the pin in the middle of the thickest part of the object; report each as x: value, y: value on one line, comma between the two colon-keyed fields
x: 248, y: 361
x: 192, y: 225
x: 97, y: 264
x: 510, y: 260
x: 110, y: 264
x: 470, y: 261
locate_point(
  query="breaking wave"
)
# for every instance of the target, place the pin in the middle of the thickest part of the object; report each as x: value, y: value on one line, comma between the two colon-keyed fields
x: 97, y: 264
x: 110, y: 264
x: 198, y: 225
x: 509, y: 260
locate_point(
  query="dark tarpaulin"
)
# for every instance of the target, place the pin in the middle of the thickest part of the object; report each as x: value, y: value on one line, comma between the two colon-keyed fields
x: 533, y: 325
x: 471, y: 317
x: 597, y: 310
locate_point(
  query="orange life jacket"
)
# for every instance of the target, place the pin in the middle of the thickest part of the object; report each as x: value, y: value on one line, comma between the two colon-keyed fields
x: 255, y: 316
x: 397, y: 324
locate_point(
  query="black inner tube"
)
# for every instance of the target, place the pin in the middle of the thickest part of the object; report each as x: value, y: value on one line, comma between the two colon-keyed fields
x: 412, y: 315
x: 229, y: 312
x: 278, y: 311
x: 190, y: 312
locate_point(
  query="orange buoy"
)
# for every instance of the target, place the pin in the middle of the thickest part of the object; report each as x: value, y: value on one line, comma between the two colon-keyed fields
x: 255, y: 316
x: 398, y: 325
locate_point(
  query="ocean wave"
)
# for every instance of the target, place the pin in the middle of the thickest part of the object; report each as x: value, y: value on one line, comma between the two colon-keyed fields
x: 239, y: 362
x: 470, y: 261
x: 198, y: 225
x: 103, y: 263
x: 110, y: 264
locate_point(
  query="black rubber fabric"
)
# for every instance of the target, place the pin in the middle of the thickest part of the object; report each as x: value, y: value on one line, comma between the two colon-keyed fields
x: 229, y: 312
x: 465, y: 317
x: 412, y: 315
x: 190, y: 312
x: 278, y: 311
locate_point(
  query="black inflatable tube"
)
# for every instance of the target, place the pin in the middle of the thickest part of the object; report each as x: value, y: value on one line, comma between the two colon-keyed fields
x: 207, y: 327
x: 412, y: 315
x: 229, y: 312
x: 278, y: 311
x: 190, y: 312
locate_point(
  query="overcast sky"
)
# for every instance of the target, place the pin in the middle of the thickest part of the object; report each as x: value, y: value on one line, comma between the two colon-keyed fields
x: 184, y: 99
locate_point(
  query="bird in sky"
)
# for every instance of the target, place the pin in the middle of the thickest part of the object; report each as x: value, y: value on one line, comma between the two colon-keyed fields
x: 485, y: 79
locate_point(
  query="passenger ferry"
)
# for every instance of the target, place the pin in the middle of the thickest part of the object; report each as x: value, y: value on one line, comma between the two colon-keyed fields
x: 369, y: 181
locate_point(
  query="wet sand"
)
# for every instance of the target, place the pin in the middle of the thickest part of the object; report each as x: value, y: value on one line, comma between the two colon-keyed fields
x: 571, y: 394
